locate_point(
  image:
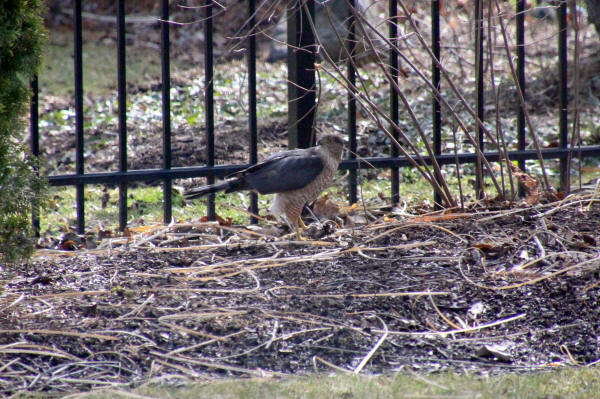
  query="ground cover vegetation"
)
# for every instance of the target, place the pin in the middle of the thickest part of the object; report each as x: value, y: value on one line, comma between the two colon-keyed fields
x: 489, y: 286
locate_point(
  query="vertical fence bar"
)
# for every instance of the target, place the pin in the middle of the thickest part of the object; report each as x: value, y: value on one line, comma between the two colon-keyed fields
x: 166, y: 109
x: 351, y: 128
x: 435, y: 80
x: 394, y: 110
x: 479, y: 93
x: 34, y: 145
x: 301, y: 73
x: 78, y: 75
x: 209, y: 101
x: 563, y: 96
x: 520, y: 20
x: 122, y: 100
x: 252, y: 119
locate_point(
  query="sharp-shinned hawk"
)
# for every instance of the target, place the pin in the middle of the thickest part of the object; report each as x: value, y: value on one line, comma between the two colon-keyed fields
x: 296, y: 177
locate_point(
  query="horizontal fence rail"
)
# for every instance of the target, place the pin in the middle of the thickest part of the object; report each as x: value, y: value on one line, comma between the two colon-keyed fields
x: 301, y: 95
x: 221, y: 171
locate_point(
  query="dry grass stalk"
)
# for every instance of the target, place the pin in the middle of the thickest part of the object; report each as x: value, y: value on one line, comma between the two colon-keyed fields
x: 65, y: 333
x: 211, y: 363
x: 369, y: 355
x: 457, y: 331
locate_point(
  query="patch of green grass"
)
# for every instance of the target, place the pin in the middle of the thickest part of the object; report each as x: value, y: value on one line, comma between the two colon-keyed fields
x: 99, y: 65
x: 569, y: 383
x: 145, y: 204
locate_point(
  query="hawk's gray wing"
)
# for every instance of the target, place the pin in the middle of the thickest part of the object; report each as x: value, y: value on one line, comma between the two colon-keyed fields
x: 284, y: 171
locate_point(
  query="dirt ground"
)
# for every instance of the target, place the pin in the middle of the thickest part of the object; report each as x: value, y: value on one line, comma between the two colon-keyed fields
x: 483, y: 291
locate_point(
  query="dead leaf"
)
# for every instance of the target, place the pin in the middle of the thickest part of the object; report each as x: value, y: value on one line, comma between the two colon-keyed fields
x: 589, y: 239
x: 127, y: 233
x: 491, y: 250
x: 325, y: 208
x: 483, y: 246
x: 531, y: 185
x: 102, y: 234
x: 71, y: 241
x: 142, y: 229
x: 67, y: 245
x: 349, y: 209
x: 222, y: 222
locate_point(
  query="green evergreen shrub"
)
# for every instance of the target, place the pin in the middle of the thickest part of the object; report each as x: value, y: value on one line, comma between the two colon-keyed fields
x: 22, y: 36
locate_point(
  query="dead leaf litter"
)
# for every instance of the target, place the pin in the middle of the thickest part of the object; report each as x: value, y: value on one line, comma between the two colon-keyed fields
x: 480, y: 291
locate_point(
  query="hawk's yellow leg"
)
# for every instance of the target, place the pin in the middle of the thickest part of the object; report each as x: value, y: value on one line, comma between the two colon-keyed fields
x: 301, y: 223
x: 300, y: 227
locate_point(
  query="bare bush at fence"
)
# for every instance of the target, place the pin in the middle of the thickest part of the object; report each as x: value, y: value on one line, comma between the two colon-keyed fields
x: 412, y: 82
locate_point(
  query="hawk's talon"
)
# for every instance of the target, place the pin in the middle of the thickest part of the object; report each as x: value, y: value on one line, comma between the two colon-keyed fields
x: 300, y: 227
x: 299, y: 234
x: 301, y: 223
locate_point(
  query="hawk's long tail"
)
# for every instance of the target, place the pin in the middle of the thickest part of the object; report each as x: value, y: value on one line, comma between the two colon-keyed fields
x: 229, y: 186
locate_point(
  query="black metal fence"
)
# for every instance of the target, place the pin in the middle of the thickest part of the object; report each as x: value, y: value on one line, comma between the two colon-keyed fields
x: 301, y: 95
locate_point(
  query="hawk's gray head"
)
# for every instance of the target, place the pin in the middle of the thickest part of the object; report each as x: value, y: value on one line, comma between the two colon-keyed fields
x: 332, y: 143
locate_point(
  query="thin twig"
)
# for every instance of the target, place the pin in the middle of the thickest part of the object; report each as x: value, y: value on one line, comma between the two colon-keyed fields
x: 369, y: 355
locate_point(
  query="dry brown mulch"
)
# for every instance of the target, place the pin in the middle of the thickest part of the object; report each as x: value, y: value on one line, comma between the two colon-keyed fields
x: 484, y: 291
